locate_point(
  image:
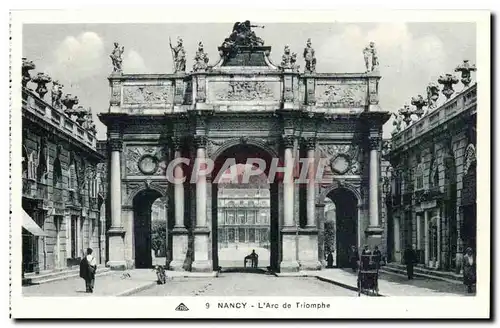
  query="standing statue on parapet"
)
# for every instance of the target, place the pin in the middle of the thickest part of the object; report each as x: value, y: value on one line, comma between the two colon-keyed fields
x: 310, y: 58
x: 201, y: 59
x: 432, y: 95
x: 56, y: 92
x: 398, y: 122
x: 286, y: 59
x: 179, y: 56
x: 370, y: 52
x: 116, y: 58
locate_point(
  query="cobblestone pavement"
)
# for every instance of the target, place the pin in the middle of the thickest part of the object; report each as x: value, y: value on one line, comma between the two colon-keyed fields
x: 109, y: 284
x: 246, y: 284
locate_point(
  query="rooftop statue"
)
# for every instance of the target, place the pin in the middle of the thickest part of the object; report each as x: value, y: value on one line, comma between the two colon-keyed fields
x: 179, y: 56
x: 242, y: 36
x: 310, y: 58
x: 56, y: 92
x: 116, y: 58
x: 201, y: 59
x: 370, y: 52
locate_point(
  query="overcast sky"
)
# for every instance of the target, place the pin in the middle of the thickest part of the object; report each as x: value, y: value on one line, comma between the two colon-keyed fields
x: 411, y: 55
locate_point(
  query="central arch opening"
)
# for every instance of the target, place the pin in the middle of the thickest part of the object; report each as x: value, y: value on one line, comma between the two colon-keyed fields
x: 245, y: 212
x: 150, y: 229
x: 342, y: 219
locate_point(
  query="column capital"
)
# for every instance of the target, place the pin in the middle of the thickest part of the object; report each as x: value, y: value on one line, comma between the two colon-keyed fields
x: 177, y: 143
x: 374, y: 142
x: 200, y: 141
x: 310, y: 143
x: 116, y: 144
x: 288, y: 141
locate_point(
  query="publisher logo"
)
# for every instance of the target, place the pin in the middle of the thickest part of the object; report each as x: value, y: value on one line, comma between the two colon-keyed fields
x: 181, y: 307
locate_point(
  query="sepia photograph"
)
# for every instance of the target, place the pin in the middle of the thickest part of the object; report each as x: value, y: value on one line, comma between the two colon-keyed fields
x: 245, y: 166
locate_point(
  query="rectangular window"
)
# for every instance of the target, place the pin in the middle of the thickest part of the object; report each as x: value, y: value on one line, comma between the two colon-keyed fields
x: 264, y: 235
x: 241, y: 233
x: 230, y: 217
x: 251, y: 217
x: 241, y: 218
x: 420, y: 182
x: 251, y: 235
x: 230, y: 235
x: 220, y: 235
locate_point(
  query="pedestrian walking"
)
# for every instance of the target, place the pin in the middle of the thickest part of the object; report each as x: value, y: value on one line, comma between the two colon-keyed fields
x: 353, y: 258
x: 410, y: 258
x: 377, y: 256
x: 88, y: 267
x: 329, y: 260
x: 469, y: 270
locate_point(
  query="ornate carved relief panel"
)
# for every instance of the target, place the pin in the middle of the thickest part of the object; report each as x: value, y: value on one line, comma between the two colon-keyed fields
x: 244, y: 90
x: 343, y: 159
x: 145, y: 160
x: 341, y: 94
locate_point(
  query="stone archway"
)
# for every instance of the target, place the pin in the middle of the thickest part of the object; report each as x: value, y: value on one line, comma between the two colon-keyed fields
x: 346, y: 223
x: 259, y: 230
x: 142, y: 203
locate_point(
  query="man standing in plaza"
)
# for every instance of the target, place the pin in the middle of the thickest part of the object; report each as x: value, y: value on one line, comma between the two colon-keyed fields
x: 410, y: 259
x: 88, y: 267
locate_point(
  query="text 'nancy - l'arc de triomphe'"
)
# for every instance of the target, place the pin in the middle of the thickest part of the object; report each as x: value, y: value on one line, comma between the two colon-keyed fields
x: 243, y: 106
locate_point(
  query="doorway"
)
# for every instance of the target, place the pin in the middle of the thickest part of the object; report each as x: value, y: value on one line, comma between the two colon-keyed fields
x: 346, y: 223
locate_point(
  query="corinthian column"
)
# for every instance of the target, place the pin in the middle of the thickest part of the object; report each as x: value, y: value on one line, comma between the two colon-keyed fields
x: 289, y: 261
x: 311, y: 183
x: 179, y: 232
x: 288, y: 183
x: 117, y: 232
x: 202, y: 248
x: 178, y: 187
x: 374, y: 231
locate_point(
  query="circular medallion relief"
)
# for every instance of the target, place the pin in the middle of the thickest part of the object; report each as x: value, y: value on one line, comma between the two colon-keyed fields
x: 148, y: 164
x: 340, y: 164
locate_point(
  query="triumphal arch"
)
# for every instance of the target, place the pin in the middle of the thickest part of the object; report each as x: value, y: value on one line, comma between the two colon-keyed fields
x: 243, y: 106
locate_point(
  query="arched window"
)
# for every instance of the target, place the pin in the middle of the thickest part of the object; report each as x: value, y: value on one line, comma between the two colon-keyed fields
x: 31, y: 166
x: 72, y: 174
x: 419, y: 176
x: 57, y: 173
x: 25, y: 162
x: 42, y: 167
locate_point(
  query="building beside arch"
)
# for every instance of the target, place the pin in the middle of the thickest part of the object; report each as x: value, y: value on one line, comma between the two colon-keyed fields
x: 62, y: 193
x: 430, y: 193
x: 242, y: 107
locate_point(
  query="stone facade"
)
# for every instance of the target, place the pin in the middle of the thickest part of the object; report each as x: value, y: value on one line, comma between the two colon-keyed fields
x: 432, y: 170
x: 244, y: 106
x: 61, y: 185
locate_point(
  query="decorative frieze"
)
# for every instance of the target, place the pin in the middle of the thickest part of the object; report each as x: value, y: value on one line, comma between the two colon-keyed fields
x: 148, y: 94
x: 245, y: 91
x: 341, y: 94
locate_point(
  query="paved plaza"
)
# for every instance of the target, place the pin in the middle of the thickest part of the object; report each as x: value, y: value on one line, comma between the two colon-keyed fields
x: 247, y: 284
x: 328, y: 282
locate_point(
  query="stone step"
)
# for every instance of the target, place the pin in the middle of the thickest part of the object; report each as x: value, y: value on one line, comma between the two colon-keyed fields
x: 55, y: 275
x: 397, y: 268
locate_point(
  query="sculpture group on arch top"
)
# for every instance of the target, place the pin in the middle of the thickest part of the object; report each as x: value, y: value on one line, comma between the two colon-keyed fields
x: 406, y: 113
x: 80, y: 114
x: 242, y: 35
